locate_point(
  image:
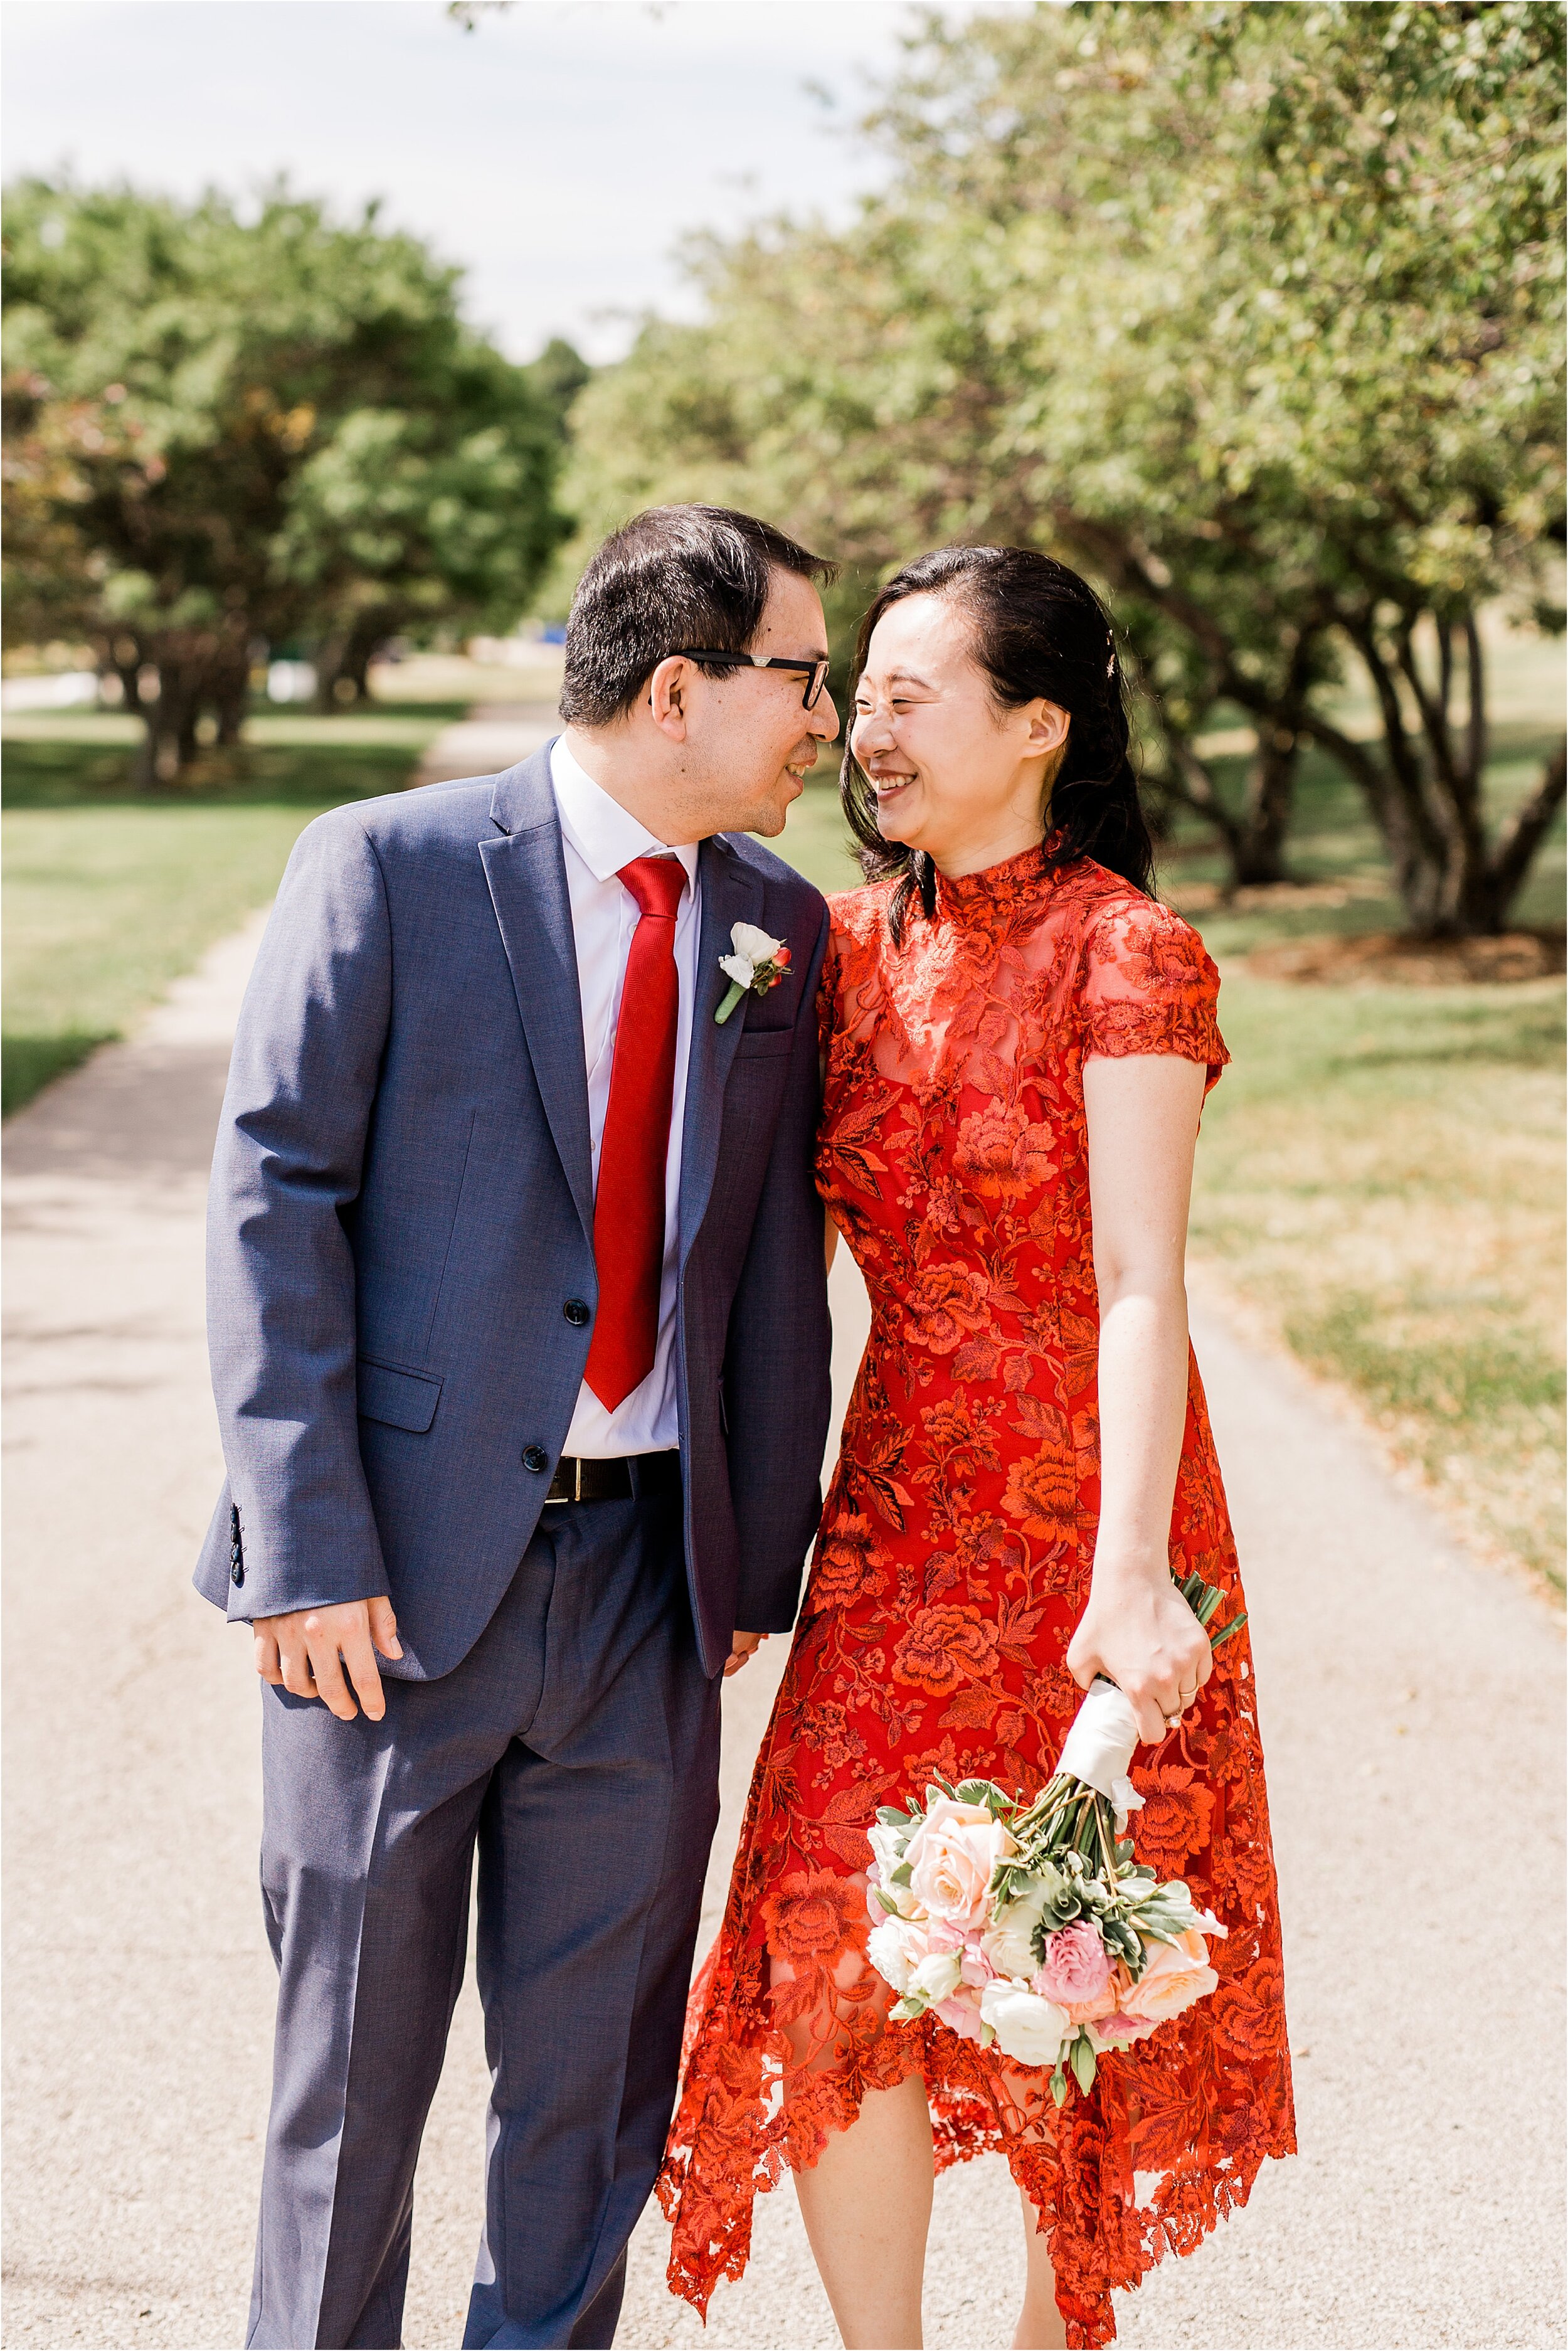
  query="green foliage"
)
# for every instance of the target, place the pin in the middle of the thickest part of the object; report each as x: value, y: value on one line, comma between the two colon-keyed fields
x: 1253, y: 312
x: 225, y: 430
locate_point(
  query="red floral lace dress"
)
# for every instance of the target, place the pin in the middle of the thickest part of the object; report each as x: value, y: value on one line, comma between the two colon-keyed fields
x: 951, y: 1568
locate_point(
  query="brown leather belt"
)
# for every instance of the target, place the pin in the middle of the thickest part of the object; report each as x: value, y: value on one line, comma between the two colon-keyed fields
x: 578, y: 1480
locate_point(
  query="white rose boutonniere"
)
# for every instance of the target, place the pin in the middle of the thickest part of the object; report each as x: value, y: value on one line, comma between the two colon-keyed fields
x: 758, y: 964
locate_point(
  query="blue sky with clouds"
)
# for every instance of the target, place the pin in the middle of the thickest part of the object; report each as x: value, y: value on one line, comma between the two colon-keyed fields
x: 559, y: 151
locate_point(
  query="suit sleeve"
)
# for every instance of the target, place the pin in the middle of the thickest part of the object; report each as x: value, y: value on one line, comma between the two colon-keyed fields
x: 280, y: 1269
x: 778, y: 1385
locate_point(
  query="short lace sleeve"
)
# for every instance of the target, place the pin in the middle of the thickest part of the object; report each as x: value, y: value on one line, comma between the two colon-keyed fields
x: 1150, y: 986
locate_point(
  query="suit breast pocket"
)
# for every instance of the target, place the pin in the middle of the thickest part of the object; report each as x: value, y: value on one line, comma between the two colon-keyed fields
x: 757, y: 1044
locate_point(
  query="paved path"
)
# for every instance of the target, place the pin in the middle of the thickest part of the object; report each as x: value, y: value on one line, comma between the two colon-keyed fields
x: 495, y: 736
x: 1411, y: 1713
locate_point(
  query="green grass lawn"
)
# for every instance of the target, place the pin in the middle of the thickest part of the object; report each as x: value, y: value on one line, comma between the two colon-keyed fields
x: 110, y: 894
x: 1381, y: 1173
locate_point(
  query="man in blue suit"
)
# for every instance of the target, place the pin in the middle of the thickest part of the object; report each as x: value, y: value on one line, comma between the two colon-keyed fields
x: 519, y: 1340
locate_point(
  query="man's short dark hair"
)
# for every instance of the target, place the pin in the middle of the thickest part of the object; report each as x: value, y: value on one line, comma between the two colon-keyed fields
x: 672, y: 577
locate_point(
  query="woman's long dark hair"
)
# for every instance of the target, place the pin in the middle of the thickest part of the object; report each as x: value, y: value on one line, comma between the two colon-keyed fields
x: 1040, y: 630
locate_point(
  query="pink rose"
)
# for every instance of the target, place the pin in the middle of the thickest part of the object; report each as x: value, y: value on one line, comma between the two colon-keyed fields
x: 961, y: 2015
x: 1177, y: 1974
x: 977, y: 1969
x: 951, y: 1857
x: 1075, y: 1972
x: 1115, y: 2030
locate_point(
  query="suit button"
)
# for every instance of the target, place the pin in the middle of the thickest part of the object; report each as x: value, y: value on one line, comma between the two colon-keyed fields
x: 237, y: 1574
x: 577, y: 1311
x: 536, y: 1459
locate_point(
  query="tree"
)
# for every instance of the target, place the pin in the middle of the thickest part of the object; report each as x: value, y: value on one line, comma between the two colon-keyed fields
x: 1253, y: 312
x: 224, y: 431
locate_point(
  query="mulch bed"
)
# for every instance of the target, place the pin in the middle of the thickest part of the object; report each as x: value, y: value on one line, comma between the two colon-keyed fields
x: 1392, y: 959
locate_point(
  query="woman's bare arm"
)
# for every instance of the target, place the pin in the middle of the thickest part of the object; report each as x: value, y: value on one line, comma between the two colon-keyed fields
x: 1142, y: 1113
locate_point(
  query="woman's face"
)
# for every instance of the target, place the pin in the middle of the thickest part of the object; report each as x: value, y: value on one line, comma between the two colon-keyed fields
x: 953, y: 775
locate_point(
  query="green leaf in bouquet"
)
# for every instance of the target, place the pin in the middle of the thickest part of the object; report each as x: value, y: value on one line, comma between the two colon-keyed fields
x: 905, y: 2011
x: 886, y: 1900
x: 891, y: 1818
x: 1168, y: 1914
x: 1060, y: 1905
x: 1121, y: 1941
x: 1059, y: 2084
x: 979, y: 1792
x: 1080, y: 2057
x: 903, y: 1874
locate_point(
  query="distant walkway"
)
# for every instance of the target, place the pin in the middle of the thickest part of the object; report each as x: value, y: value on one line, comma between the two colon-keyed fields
x: 493, y: 735
x: 1410, y: 1703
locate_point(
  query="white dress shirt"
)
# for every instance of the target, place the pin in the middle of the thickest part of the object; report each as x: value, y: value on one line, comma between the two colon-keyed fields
x: 600, y: 837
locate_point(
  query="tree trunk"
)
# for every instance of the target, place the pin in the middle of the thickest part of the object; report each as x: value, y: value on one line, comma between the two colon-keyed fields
x: 1423, y: 786
x: 229, y: 689
x: 343, y: 661
x: 1252, y: 837
x: 1258, y: 850
x: 171, y: 721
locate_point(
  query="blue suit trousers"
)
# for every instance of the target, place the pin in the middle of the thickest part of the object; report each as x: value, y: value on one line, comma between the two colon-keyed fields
x: 575, y: 1748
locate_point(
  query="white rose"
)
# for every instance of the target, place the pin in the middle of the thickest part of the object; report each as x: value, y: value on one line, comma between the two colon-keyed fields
x: 735, y: 966
x: 1009, y: 1941
x: 937, y: 1975
x: 884, y: 1949
x: 1027, y: 2027
x: 755, y: 946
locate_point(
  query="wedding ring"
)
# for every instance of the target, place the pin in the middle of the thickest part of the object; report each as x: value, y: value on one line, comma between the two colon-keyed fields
x: 1172, y: 1721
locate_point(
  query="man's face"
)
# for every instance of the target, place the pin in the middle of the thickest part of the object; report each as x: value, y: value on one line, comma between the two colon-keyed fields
x: 752, y: 743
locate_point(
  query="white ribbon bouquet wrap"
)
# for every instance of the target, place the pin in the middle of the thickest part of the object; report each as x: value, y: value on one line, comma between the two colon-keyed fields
x: 1028, y: 1925
x: 1099, y: 1747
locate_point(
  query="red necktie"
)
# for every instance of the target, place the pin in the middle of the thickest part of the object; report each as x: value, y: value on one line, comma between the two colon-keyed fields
x: 628, y: 1205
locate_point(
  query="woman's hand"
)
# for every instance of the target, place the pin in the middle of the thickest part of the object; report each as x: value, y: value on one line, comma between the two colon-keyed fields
x: 1138, y: 1631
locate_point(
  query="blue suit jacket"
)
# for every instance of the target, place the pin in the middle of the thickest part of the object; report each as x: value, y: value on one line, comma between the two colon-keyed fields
x: 402, y: 1204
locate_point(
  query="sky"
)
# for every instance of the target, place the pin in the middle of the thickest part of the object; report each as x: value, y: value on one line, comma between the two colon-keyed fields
x: 558, y: 152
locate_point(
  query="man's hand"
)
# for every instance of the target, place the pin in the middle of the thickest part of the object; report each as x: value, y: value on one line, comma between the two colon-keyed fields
x: 741, y: 1647
x: 317, y: 1652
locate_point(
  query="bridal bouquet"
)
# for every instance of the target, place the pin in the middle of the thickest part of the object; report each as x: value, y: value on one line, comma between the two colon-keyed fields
x: 1030, y: 1924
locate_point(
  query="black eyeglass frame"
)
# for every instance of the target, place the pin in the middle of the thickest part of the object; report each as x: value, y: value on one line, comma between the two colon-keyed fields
x: 816, y: 672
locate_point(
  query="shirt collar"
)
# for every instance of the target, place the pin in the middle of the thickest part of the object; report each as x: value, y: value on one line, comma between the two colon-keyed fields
x: 605, y: 835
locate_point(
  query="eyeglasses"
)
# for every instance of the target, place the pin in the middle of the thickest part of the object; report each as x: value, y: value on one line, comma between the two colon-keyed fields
x: 814, y: 672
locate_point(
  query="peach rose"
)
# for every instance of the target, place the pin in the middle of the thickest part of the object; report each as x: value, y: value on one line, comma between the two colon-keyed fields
x: 1177, y: 1974
x: 951, y: 1857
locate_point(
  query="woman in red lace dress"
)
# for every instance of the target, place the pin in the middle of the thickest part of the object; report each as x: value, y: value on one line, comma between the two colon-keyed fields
x: 1018, y: 1042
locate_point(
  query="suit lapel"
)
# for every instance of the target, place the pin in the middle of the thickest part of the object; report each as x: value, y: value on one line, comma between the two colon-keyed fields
x: 526, y: 870
x: 731, y: 893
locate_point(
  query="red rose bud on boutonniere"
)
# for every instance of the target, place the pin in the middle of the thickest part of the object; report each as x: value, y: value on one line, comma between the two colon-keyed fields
x: 758, y: 964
